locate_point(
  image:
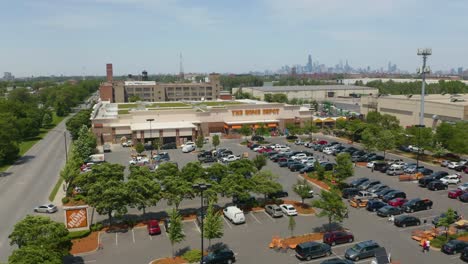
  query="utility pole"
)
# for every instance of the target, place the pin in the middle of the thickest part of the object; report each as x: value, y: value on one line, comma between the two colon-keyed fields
x: 423, y: 70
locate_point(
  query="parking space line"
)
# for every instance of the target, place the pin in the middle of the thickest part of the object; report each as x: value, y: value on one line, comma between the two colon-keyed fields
x: 269, y: 216
x: 345, y: 245
x: 198, y: 228
x: 151, y: 237
x: 133, y: 236
x: 227, y: 222
x: 319, y: 259
x: 116, y: 243
x: 255, y: 218
x: 337, y: 255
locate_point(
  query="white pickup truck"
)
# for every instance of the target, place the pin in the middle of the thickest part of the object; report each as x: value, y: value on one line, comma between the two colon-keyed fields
x: 230, y: 158
x: 139, y: 160
x: 363, y: 195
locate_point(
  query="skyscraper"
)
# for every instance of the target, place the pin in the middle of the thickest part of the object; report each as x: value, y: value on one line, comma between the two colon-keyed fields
x: 309, y: 64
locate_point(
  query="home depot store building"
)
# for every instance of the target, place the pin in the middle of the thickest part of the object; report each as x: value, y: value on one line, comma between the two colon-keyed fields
x: 180, y: 124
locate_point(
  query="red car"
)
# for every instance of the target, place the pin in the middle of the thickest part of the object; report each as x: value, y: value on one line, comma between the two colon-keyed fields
x: 322, y: 142
x: 265, y: 150
x: 397, y: 202
x: 153, y: 227
x: 337, y: 237
x: 455, y: 193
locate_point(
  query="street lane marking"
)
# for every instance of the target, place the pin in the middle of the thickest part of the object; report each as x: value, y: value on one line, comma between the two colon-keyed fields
x: 269, y: 216
x: 227, y: 222
x: 198, y: 228
x: 133, y: 236
x: 116, y: 243
x: 255, y: 218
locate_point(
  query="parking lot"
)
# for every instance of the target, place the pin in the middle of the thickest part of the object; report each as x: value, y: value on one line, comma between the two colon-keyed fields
x: 250, y: 241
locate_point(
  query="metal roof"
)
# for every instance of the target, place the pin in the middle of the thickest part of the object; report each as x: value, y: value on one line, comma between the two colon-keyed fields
x: 297, y: 88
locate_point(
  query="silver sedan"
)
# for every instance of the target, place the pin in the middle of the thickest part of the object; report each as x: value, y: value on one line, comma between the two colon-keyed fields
x: 46, y: 208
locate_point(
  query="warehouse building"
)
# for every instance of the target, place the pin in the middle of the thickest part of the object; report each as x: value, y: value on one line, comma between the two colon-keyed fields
x: 437, y: 108
x: 178, y: 122
x: 151, y: 91
x: 310, y: 92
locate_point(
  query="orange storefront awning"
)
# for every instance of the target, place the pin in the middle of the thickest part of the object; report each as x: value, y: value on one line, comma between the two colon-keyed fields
x: 318, y: 120
x: 236, y: 127
x: 226, y: 126
x: 272, y: 125
x: 329, y: 120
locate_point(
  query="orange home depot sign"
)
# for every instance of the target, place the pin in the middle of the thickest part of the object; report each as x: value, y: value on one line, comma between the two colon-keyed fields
x: 249, y: 112
x: 76, y: 217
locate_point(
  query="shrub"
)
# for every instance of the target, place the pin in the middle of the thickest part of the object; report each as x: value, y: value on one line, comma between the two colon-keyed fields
x: 79, y: 234
x: 65, y: 200
x: 192, y: 256
x: 78, y: 197
x: 96, y: 227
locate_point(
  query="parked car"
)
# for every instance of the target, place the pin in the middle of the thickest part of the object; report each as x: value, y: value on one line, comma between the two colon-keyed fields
x: 393, y: 195
x: 273, y: 210
x: 437, y: 186
x: 452, y: 165
x: 374, y: 205
x: 349, y: 192
x: 397, y: 202
x: 106, y: 148
x: 377, y: 188
x: 288, y: 209
x: 153, y: 227
x: 307, y: 169
x: 361, y: 195
x: 337, y: 237
x: 46, y: 208
x: 207, y: 159
x: 379, y: 165
x: 257, y: 138
x: 327, y: 166
x: 463, y: 197
x: 451, y: 179
x: 362, y: 250
x: 310, y: 250
x: 188, y: 148
x: 454, y: 246
x: 171, y: 145
x: 384, y: 192
x: 464, y: 255
x: 368, y: 184
x: 454, y: 194
x: 358, y: 181
x: 435, y: 221
x: 406, y: 220
x: 463, y: 187
x: 388, y: 210
x: 394, y: 171
x: 234, y: 214
x: 297, y: 166
x: 127, y: 144
x: 417, y: 204
x: 444, y: 163
x: 224, y: 255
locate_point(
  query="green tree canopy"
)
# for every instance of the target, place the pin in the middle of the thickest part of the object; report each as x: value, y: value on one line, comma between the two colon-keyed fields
x: 245, y: 130
x: 102, y: 173
x: 139, y: 148
x: 143, y: 191
x: 213, y: 225
x: 200, y: 141
x: 302, y: 188
x: 215, y: 141
x: 259, y: 161
x: 331, y: 205
x: 42, y: 232
x: 85, y: 145
x: 265, y: 182
x: 175, y: 231
x: 35, y: 254
x: 344, y: 167
x: 386, y: 141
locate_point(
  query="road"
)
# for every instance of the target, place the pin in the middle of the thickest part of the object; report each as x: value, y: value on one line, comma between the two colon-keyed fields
x: 28, y: 183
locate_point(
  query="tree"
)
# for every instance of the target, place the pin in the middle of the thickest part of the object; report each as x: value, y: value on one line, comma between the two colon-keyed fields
x: 245, y: 130
x: 192, y: 171
x: 265, y: 182
x: 33, y: 255
x: 142, y: 190
x: 175, y: 232
x: 102, y: 173
x: 302, y: 188
x: 176, y: 188
x: 46, y: 120
x: 139, y: 148
x: 134, y: 98
x: 369, y: 139
x: 259, y: 161
x: 107, y: 197
x: 344, y: 167
x: 439, y: 150
x: 200, y: 141
x: 215, y: 141
x: 9, y: 149
x: 386, y: 141
x: 42, y: 232
x: 236, y: 185
x: 291, y: 225
x: 319, y: 171
x: 86, y: 143
x: 167, y: 169
x: 213, y: 225
x: 261, y: 129
x: 75, y: 122
x: 420, y: 136
x: 331, y: 205
x: 447, y: 220
x: 156, y: 144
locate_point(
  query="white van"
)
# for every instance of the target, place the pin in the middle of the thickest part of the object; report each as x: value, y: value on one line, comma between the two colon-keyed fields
x: 234, y: 214
x: 328, y: 150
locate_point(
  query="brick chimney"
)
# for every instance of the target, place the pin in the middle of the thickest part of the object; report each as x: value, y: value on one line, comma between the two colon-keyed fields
x: 109, y: 72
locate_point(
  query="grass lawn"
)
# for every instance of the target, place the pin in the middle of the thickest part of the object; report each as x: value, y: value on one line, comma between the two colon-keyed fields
x: 55, y: 190
x: 220, y: 103
x: 126, y: 106
x: 29, y: 143
x: 175, y: 104
x: 123, y: 112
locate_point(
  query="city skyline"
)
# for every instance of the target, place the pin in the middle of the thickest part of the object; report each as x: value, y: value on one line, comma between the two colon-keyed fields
x: 74, y: 37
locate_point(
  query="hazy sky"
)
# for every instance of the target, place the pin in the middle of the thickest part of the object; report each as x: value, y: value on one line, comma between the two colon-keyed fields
x: 44, y: 37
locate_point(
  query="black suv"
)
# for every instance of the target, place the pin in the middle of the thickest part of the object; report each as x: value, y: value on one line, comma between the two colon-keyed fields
x: 257, y: 138
x: 393, y: 195
x: 374, y: 205
x: 310, y: 250
x: 349, y: 192
x: 358, y: 182
x: 424, y: 181
x: 220, y: 256
x: 437, y: 186
x: 417, y: 205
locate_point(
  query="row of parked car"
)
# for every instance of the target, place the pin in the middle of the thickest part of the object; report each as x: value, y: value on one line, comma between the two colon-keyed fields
x: 461, y: 165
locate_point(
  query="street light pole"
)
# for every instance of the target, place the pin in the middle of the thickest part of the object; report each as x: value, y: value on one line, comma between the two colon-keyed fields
x: 423, y: 70
x: 201, y: 187
x: 66, y: 150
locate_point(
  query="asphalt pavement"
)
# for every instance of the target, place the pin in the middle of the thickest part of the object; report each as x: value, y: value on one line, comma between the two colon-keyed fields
x: 28, y: 183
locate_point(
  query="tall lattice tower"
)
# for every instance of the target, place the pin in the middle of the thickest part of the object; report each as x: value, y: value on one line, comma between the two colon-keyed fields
x: 181, y: 67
